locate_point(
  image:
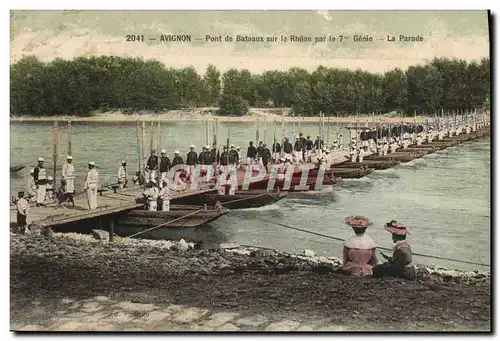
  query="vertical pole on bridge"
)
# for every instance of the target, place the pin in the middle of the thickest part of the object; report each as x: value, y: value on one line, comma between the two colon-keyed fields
x: 265, y: 130
x: 206, y: 131
x: 111, y: 229
x: 143, y: 146
x: 56, y: 141
x: 69, y: 138
x: 257, y: 132
x: 137, y: 131
x: 151, y: 136
x: 158, y: 147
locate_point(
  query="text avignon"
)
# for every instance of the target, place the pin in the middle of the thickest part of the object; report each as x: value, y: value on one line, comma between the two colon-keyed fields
x: 175, y: 37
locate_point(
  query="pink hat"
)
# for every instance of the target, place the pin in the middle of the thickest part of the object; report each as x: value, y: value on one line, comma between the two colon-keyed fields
x: 357, y: 221
x: 396, y: 228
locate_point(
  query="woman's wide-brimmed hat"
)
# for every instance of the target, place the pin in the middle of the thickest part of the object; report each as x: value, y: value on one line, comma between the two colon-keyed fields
x: 395, y: 228
x: 358, y: 221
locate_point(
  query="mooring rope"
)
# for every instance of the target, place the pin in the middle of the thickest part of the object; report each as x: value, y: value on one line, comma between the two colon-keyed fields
x: 242, y: 199
x: 378, y: 247
x: 277, y: 199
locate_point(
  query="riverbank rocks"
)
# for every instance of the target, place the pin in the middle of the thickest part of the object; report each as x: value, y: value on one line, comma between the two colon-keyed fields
x: 182, y: 245
x: 189, y: 315
x: 178, y: 258
x: 148, y: 286
x: 219, y: 319
x: 285, y: 325
x: 101, y: 235
x: 309, y: 253
x: 464, y: 277
x: 252, y: 321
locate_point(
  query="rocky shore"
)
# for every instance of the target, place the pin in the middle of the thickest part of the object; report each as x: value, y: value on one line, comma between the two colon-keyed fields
x: 75, y: 282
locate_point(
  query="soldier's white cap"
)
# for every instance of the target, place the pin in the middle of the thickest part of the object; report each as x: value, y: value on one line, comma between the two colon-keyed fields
x: 49, y: 178
x: 40, y: 159
x: 237, y: 147
x: 232, y: 146
x: 123, y: 161
x: 91, y: 163
x: 32, y: 170
x: 207, y: 146
x: 176, y: 152
x: 69, y: 157
x: 191, y: 146
x: 163, y: 151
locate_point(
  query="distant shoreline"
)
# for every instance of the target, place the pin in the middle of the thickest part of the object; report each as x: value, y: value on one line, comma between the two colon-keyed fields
x: 222, y: 119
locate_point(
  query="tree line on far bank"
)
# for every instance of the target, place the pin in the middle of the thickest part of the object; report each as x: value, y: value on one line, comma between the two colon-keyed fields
x: 88, y: 84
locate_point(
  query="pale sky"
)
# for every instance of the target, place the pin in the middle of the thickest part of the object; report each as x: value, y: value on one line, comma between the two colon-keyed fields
x: 69, y: 34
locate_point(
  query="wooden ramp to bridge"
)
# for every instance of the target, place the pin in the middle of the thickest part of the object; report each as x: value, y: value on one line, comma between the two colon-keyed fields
x: 108, y: 203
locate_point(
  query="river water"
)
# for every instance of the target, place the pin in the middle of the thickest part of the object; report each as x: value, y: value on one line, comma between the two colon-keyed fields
x: 443, y: 198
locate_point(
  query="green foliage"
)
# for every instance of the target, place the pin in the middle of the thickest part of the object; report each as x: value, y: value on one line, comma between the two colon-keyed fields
x: 237, y: 92
x: 88, y: 84
x: 211, y: 82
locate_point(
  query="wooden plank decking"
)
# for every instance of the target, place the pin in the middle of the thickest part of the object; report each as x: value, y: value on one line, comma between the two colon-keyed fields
x: 108, y: 203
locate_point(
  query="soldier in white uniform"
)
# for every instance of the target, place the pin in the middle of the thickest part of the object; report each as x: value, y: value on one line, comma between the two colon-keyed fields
x: 90, y: 186
x: 122, y: 175
x: 165, y: 197
x: 393, y: 146
x: 352, y: 154
x: 31, y: 187
x: 240, y: 161
x: 68, y: 177
x: 361, y: 154
x: 385, y: 148
x: 40, y: 176
x: 151, y: 193
x: 380, y: 149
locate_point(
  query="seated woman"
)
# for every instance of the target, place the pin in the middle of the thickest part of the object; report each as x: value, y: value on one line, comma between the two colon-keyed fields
x: 359, y: 251
x: 397, y: 265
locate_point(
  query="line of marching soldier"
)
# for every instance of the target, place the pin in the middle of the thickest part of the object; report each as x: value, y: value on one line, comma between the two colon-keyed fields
x: 299, y: 152
x: 385, y: 139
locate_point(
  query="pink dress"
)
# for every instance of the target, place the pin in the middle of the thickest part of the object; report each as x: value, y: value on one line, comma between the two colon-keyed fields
x: 359, y: 255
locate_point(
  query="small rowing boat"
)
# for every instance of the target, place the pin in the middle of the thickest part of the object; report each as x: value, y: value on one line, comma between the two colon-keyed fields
x: 17, y: 168
x: 178, y: 216
x: 398, y: 156
x: 375, y: 164
x: 351, y: 173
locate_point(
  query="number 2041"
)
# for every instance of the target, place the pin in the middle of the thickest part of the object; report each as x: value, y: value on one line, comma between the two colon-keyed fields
x: 134, y: 37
